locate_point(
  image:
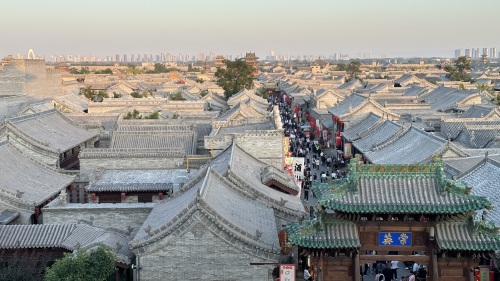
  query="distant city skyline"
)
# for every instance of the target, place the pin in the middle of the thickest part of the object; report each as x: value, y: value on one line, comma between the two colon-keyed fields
x: 390, y: 28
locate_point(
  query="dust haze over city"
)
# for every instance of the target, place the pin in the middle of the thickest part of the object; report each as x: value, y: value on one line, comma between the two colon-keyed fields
x: 264, y: 140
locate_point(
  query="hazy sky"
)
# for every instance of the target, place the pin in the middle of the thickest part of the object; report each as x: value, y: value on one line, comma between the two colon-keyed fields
x: 312, y: 27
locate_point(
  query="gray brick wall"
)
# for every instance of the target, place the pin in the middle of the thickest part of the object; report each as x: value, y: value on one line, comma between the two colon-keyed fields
x: 202, y: 252
x: 104, y: 215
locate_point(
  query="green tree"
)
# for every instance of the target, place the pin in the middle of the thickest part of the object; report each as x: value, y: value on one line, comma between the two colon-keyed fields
x: 203, y: 92
x: 341, y: 67
x: 133, y: 115
x: 458, y: 72
x: 236, y: 76
x: 96, y: 264
x: 105, y: 71
x: 154, y: 115
x: 136, y: 95
x: 353, y: 68
x: 88, y: 93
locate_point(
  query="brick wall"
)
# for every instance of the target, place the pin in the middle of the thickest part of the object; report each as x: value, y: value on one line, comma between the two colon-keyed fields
x: 119, y: 216
x: 267, y: 146
x: 199, y: 254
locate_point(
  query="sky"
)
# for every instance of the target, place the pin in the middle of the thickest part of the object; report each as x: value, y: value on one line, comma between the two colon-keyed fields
x: 395, y: 28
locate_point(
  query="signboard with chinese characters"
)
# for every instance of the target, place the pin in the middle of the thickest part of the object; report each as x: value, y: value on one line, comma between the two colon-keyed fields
x: 287, y: 272
x: 394, y: 238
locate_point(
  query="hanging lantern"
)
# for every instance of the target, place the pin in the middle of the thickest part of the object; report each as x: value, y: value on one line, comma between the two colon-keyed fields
x: 93, y: 196
x: 124, y: 196
x: 160, y: 195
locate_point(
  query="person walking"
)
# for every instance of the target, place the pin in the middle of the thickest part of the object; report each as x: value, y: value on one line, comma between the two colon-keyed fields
x: 306, y: 192
x: 394, y: 269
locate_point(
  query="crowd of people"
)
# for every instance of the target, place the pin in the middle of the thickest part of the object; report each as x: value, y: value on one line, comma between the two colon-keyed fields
x: 388, y: 271
x: 321, y: 164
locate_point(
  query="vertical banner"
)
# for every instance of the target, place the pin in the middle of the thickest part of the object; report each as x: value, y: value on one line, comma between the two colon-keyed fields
x: 287, y: 272
x: 347, y: 150
x: 298, y: 167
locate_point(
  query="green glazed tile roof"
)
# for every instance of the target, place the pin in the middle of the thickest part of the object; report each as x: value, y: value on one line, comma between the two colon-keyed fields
x: 330, y: 234
x: 465, y: 236
x: 397, y: 189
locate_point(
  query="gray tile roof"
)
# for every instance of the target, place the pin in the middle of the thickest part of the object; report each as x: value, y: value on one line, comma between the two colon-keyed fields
x: 477, y: 111
x: 347, y: 105
x: 242, y: 128
x: 414, y: 91
x: 243, y: 217
x: 7, y: 216
x: 242, y: 212
x: 436, y: 94
x: 353, y: 132
x: 482, y: 136
x: 453, y: 127
x: 484, y: 180
x: 36, y: 182
x: 155, y: 139
x: 66, y: 236
x: 72, y: 101
x: 165, y: 215
x: 139, y: 180
x: 456, y: 167
x: 376, y: 136
x: 246, y: 170
x: 451, y: 100
x: 52, y: 129
x: 412, y: 147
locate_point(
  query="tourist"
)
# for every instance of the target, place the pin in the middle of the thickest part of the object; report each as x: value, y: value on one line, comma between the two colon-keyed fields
x: 307, y: 274
x: 394, y: 268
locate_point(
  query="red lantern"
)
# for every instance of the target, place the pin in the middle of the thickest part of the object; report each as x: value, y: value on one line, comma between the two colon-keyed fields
x: 160, y: 195
x: 92, y: 196
x: 71, y: 187
x: 124, y: 196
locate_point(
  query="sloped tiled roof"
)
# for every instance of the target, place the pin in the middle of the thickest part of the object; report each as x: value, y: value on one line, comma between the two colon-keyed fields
x: 66, y: 236
x: 353, y: 132
x: 138, y: 180
x: 414, y: 146
x: 465, y: 236
x: 477, y: 111
x: 484, y: 179
x: 414, y: 91
x: 164, y: 216
x: 451, y: 128
x: 347, y: 105
x: 36, y: 182
x: 451, y: 100
x: 332, y: 233
x: 418, y: 189
x: 436, y: 94
x: 482, y: 136
x: 247, y: 170
x: 376, y: 135
x: 242, y: 212
x: 216, y: 198
x: 155, y: 139
x: 53, y: 130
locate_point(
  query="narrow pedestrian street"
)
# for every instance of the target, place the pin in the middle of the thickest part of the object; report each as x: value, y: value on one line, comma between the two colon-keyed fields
x: 322, y: 162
